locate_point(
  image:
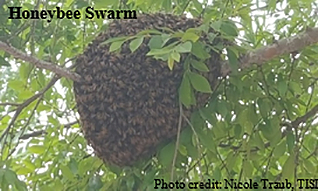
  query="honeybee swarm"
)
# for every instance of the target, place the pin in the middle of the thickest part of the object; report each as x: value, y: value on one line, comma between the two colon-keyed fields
x: 128, y: 103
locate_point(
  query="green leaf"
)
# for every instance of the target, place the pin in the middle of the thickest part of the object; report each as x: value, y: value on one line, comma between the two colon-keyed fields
x: 192, y: 151
x: 197, y: 5
x: 104, y: 4
x: 24, y: 171
x: 167, y: 5
x: 280, y: 149
x: 233, y: 60
x: 190, y: 36
x: 25, y: 94
x: 290, y: 141
x: 115, y: 39
x: 289, y: 167
x: 229, y: 28
x: 259, y: 141
x: 185, y: 91
x: 264, y: 106
x: 115, y: 46
x: 211, y: 36
x: 199, y: 51
x: 166, y: 154
x: 186, y: 136
x: 282, y: 87
x: 216, y: 25
x: 219, y: 130
x: 207, y: 141
x: 10, y: 176
x: 222, y: 108
x: 95, y: 183
x: 309, y: 166
x: 199, y: 82
x: 156, y: 52
x: 170, y: 62
x: 176, y: 56
x: 217, y: 174
x: 243, y: 118
x: 150, y: 31
x: 238, y: 133
x: 183, y: 150
x: 37, y: 149
x: 199, y: 66
x: 155, y: 42
x: 184, y: 47
x: 165, y: 38
x: 208, y: 114
x: 3, y: 62
x: 248, y: 168
x: 29, y: 165
x: 230, y: 161
x: 66, y: 172
x: 16, y: 85
x: 136, y: 43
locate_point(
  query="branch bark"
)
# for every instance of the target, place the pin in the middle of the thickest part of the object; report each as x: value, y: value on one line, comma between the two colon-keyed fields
x: 279, y: 48
x: 39, y: 63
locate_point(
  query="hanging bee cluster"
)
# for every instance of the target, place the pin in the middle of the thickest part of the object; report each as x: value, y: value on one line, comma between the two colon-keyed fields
x: 128, y: 102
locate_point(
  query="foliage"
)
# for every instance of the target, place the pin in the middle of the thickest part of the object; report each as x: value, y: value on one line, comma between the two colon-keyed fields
x: 259, y: 123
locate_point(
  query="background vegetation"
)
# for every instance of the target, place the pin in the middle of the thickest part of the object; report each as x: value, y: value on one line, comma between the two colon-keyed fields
x: 263, y: 118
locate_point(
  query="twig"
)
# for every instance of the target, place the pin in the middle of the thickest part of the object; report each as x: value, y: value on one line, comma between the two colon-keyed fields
x: 25, y: 104
x: 39, y: 63
x: 305, y: 117
x: 10, y: 104
x: 197, y: 140
x: 177, y: 142
x: 68, y: 125
x: 25, y: 126
x: 33, y: 134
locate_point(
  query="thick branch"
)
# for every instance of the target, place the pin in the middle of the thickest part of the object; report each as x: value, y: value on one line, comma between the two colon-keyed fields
x: 39, y: 63
x: 281, y: 47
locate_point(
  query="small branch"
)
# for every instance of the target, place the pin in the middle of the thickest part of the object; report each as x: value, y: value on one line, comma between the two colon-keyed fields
x: 197, y: 140
x: 281, y: 47
x: 33, y: 134
x: 43, y: 132
x: 25, y: 126
x: 177, y: 142
x: 305, y: 117
x: 67, y: 126
x: 10, y: 104
x: 25, y: 104
x: 40, y: 63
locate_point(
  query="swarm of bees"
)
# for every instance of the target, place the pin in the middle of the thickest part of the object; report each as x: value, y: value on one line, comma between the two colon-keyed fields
x: 128, y: 104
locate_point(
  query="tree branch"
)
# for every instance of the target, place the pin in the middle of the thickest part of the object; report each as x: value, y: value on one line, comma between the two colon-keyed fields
x: 258, y: 56
x: 39, y: 63
x: 9, y: 104
x: 33, y: 134
x: 25, y: 104
x: 305, y: 117
x: 281, y: 47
